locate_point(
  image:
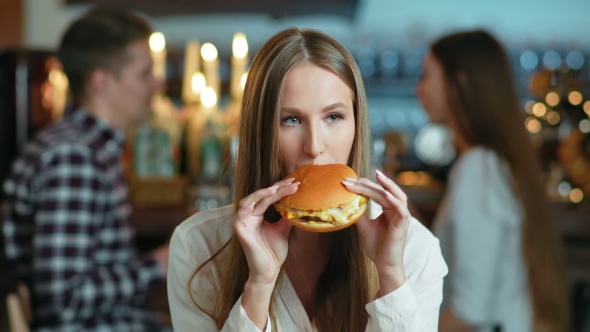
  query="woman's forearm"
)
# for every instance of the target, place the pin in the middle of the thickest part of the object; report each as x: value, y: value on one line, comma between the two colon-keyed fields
x: 256, y: 302
x: 388, y: 282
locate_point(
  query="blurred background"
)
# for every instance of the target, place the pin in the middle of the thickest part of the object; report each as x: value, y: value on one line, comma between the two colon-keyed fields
x: 180, y: 161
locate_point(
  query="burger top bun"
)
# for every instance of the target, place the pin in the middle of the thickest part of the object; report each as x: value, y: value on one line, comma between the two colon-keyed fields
x: 320, y: 188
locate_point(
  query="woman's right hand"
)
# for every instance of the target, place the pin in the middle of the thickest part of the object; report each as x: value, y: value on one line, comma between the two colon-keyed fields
x: 265, y: 245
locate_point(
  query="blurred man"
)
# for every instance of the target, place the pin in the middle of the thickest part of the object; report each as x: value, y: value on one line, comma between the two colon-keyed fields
x: 67, y: 226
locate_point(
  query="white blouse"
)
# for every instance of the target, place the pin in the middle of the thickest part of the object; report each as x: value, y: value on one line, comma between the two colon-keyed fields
x: 479, y: 227
x: 412, y: 307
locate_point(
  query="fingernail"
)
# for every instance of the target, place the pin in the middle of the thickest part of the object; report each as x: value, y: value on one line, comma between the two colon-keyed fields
x: 272, y: 188
x: 294, y: 184
x: 379, y: 173
x: 288, y: 180
x: 251, y: 205
x: 347, y: 183
x: 389, y: 194
x: 351, y: 179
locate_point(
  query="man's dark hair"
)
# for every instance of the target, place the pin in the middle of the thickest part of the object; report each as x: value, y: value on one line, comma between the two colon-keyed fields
x: 99, y: 39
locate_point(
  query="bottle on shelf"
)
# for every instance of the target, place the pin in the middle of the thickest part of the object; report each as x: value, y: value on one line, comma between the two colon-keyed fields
x: 211, y: 154
x: 153, y: 152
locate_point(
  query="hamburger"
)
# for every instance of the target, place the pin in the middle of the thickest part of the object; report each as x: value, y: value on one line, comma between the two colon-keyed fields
x: 322, y: 203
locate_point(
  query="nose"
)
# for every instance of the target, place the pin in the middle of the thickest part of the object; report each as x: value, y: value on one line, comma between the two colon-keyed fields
x: 314, y: 141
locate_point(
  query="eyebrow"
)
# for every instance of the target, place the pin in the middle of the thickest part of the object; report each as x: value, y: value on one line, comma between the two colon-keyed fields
x: 324, y: 110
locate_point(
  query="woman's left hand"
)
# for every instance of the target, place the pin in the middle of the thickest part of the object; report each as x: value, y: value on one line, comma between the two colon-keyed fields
x: 384, y: 238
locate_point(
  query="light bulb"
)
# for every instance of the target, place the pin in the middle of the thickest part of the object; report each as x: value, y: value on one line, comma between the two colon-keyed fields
x: 552, y: 98
x: 240, y: 45
x: 539, y: 109
x: 208, y: 52
x: 532, y: 125
x: 157, y: 42
x: 575, y: 98
x: 208, y: 97
x: 198, y: 82
x: 553, y: 118
x: 529, y: 106
x: 576, y: 195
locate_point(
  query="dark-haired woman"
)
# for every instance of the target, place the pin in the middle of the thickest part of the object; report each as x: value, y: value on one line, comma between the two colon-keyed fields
x: 495, y: 225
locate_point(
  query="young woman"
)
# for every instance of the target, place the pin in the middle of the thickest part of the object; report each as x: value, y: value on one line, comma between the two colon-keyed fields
x: 231, y: 270
x: 495, y: 225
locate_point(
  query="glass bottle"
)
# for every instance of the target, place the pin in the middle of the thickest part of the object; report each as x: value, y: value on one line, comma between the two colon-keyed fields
x: 153, y: 155
x: 211, y: 154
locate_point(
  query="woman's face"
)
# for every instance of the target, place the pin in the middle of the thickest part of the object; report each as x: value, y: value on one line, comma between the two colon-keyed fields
x: 431, y: 90
x: 317, y: 118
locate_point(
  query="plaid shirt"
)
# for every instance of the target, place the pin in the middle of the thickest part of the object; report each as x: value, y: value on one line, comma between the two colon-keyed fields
x: 67, y: 230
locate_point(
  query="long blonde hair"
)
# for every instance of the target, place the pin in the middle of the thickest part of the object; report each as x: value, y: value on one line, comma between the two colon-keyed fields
x: 345, y: 286
x: 485, y: 105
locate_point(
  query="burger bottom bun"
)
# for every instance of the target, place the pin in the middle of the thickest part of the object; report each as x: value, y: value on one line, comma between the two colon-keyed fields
x: 323, y: 227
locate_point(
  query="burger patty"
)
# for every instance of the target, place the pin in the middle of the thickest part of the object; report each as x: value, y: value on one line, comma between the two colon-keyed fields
x: 337, y: 216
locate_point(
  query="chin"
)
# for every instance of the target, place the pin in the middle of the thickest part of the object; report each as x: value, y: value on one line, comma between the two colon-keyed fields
x: 322, y: 203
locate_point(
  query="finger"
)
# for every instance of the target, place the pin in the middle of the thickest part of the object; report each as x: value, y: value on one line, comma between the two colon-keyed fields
x: 366, y: 188
x: 262, y: 193
x: 256, y: 196
x: 378, y: 194
x: 281, y: 192
x: 391, y: 186
x: 403, y: 214
x: 386, y: 184
x: 398, y: 217
x: 242, y: 214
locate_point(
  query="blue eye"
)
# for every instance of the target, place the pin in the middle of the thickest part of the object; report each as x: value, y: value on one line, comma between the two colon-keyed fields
x: 290, y: 120
x: 334, y: 117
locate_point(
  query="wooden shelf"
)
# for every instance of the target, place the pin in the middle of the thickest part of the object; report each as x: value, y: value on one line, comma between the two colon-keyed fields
x: 158, y: 222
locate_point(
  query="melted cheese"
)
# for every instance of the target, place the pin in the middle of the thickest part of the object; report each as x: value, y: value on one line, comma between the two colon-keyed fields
x: 337, y: 216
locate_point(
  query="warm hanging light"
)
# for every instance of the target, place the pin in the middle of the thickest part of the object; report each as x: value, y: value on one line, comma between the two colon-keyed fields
x: 533, y: 125
x: 240, y: 45
x: 552, y: 99
x: 553, y: 118
x: 208, y: 97
x: 576, y: 195
x: 575, y: 98
x: 539, y: 109
x: 157, y: 42
x: 198, y: 82
x: 408, y: 178
x: 209, y: 52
